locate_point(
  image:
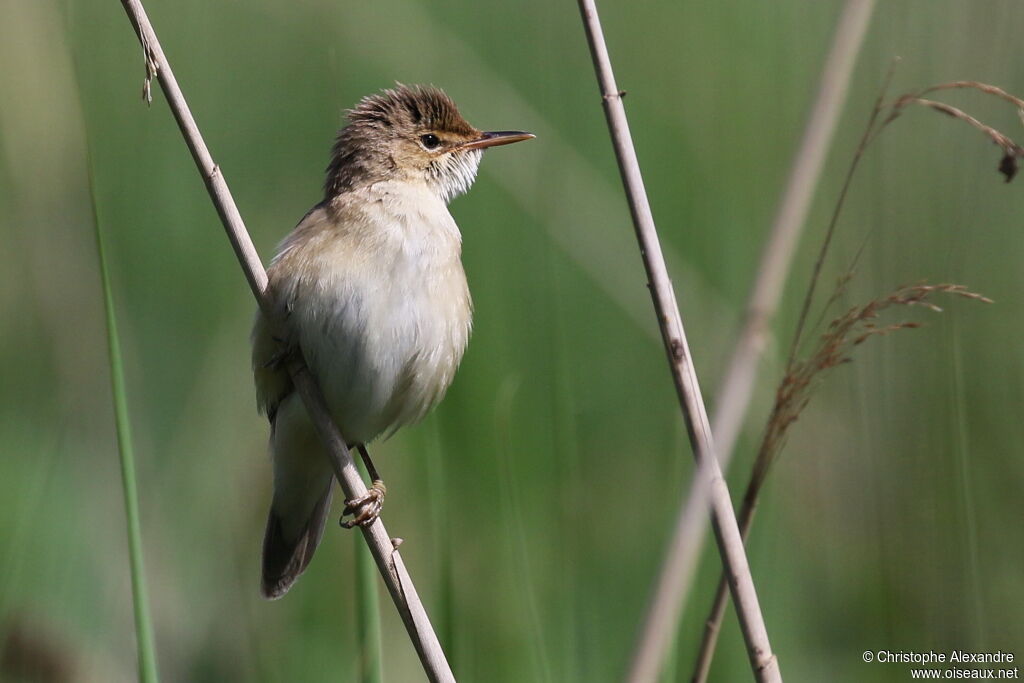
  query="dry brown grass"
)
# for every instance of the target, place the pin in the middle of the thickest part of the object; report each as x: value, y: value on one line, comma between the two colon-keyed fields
x: 1012, y: 152
x: 834, y: 348
x: 860, y: 323
x: 835, y: 345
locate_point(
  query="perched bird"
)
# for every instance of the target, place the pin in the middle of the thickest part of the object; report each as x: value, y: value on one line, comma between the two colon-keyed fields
x: 370, y: 287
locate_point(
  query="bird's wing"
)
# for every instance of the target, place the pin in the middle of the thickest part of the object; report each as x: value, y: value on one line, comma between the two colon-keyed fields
x: 269, y: 353
x: 273, y: 384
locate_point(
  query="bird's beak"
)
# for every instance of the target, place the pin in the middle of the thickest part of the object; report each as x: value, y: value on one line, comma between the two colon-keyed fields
x: 495, y: 138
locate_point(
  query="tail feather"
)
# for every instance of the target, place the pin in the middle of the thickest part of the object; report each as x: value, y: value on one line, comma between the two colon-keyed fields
x: 284, y: 558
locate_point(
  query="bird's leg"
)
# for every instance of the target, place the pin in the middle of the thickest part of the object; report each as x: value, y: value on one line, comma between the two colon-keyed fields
x: 282, y: 355
x: 278, y: 360
x: 366, y: 508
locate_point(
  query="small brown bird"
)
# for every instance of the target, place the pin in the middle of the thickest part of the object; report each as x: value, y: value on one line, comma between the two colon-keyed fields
x: 371, y: 286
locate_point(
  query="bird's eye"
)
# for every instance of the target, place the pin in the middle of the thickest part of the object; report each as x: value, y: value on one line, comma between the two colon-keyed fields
x: 430, y: 141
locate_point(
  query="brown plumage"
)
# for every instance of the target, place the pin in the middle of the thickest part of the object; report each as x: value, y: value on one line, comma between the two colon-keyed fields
x: 360, y: 156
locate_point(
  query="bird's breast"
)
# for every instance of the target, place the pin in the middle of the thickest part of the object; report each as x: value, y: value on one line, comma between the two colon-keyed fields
x: 387, y: 312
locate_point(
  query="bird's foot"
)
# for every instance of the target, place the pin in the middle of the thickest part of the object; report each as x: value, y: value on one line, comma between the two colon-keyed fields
x: 366, y: 508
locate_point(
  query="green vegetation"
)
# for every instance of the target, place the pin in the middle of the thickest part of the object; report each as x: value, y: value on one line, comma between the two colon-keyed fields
x: 890, y: 520
x: 140, y: 600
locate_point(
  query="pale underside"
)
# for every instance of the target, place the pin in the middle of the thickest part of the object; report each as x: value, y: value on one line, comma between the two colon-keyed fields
x: 373, y: 290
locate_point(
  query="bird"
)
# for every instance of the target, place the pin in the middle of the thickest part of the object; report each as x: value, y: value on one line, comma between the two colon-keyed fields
x: 369, y: 287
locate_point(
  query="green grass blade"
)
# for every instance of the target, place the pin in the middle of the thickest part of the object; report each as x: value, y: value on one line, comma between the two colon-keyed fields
x: 143, y: 625
x: 441, y: 531
x: 368, y: 628
x: 371, y: 652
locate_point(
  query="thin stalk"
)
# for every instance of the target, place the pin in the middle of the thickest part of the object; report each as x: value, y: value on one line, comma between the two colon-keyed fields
x: 371, y: 654
x: 713, y: 624
x: 436, y: 478
x: 734, y: 559
x: 736, y: 388
x: 834, y: 349
x: 140, y: 600
x: 777, y: 256
x: 762, y: 464
x: 385, y: 554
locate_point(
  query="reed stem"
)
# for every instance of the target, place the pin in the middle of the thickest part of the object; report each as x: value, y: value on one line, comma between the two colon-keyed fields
x: 385, y: 554
x: 723, y: 518
x: 140, y: 601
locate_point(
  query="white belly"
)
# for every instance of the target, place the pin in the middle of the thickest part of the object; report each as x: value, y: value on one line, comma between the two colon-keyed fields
x: 385, y: 315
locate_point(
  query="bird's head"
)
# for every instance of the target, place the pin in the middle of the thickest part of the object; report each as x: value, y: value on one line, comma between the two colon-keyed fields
x: 414, y: 134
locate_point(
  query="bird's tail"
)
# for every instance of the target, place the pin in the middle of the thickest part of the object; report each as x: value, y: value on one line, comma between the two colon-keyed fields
x: 286, y: 555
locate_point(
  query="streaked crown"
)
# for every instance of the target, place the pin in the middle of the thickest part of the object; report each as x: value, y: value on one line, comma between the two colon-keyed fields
x: 409, y: 134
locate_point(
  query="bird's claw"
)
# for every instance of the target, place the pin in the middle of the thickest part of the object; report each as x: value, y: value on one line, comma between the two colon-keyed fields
x: 280, y: 357
x: 366, y: 508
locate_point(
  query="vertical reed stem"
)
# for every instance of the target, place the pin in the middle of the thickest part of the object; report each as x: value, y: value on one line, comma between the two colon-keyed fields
x: 713, y: 624
x: 735, y: 392
x: 734, y: 559
x: 140, y: 600
x: 371, y: 656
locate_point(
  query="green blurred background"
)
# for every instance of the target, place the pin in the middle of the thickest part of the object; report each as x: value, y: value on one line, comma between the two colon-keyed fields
x: 537, y: 500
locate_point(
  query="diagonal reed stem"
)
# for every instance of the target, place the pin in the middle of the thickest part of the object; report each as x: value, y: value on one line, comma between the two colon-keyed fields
x: 765, y: 294
x: 140, y: 600
x: 679, y: 567
x: 389, y: 561
x: 734, y: 560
